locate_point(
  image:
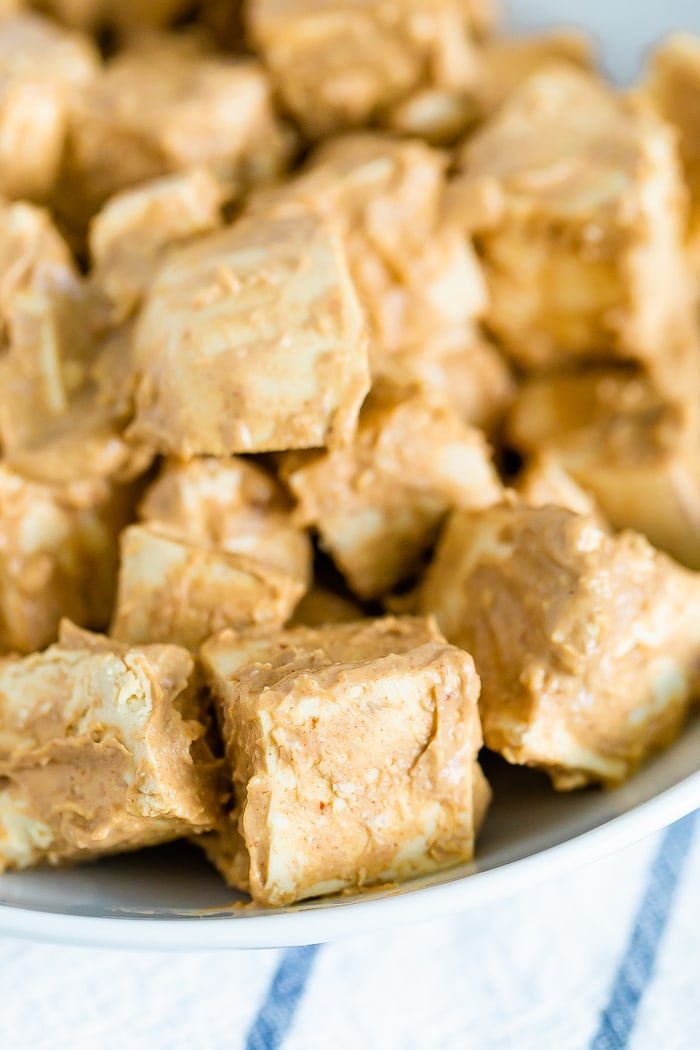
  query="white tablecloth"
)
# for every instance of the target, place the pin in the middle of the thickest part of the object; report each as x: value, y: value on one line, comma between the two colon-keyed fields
x: 607, y: 957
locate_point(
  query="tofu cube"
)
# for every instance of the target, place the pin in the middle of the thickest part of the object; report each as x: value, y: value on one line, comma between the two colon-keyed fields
x: 101, y: 750
x: 60, y: 421
x: 587, y: 645
x: 377, y: 505
x: 416, y: 274
x: 131, y: 234
x: 252, y: 340
x: 339, y: 64
x: 217, y: 549
x: 173, y: 590
x: 58, y: 556
x: 45, y: 316
x: 232, y: 505
x: 354, y: 756
x: 166, y: 104
x: 633, y: 449
x: 580, y: 205
x: 42, y: 69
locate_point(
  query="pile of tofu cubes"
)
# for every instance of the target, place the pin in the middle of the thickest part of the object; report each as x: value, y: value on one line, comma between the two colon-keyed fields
x: 349, y: 420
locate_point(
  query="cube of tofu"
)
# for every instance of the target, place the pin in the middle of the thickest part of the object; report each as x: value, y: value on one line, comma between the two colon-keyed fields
x: 581, y: 206
x: 354, y: 756
x: 587, y: 645
x: 462, y: 367
x: 416, y: 275
x: 339, y: 64
x: 252, y: 340
x: 58, y: 556
x: 130, y: 236
x: 86, y: 441
x: 124, y: 15
x: 673, y: 86
x: 377, y: 505
x: 231, y: 505
x: 165, y: 104
x: 173, y: 590
x: 46, y: 319
x: 42, y: 68
x: 634, y: 451
x: 500, y: 66
x: 217, y: 549
x: 101, y: 750
x: 55, y: 422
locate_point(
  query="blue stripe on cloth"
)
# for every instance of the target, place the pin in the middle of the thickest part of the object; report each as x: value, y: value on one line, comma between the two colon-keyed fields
x: 637, y: 965
x: 275, y: 1016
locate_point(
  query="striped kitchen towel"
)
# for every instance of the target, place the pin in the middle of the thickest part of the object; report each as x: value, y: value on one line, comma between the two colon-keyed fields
x: 604, y: 958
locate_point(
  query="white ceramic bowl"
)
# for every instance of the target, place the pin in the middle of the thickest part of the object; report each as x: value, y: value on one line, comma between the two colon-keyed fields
x: 170, y: 898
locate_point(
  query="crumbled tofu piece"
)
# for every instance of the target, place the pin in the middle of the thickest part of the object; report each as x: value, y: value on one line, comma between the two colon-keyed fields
x: 544, y: 483
x: 42, y: 69
x: 378, y: 504
x: 173, y: 590
x: 674, y: 88
x: 635, y: 452
x: 55, y: 423
x: 353, y: 749
x: 252, y: 340
x: 416, y: 275
x: 217, y: 549
x: 587, y: 645
x: 165, y: 104
x: 339, y: 64
x: 463, y: 367
x: 500, y: 66
x: 123, y: 15
x: 101, y: 750
x: 231, y: 505
x: 582, y: 211
x: 321, y: 606
x: 58, y: 556
x: 130, y: 236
